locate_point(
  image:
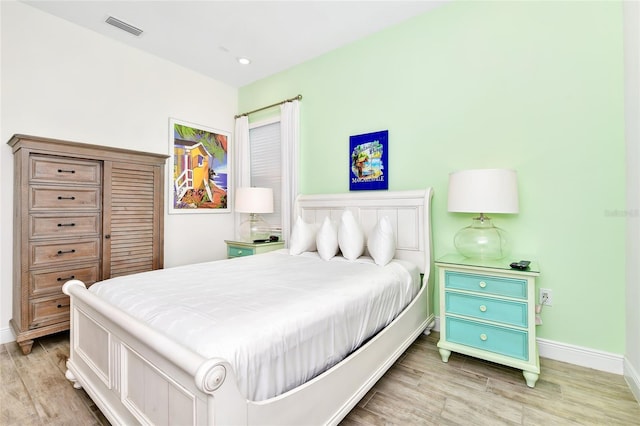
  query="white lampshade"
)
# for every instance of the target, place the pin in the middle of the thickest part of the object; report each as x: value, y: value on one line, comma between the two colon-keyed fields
x: 254, y: 200
x: 483, y: 191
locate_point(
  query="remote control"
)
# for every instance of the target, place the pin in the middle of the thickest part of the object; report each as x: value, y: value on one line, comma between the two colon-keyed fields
x: 522, y: 265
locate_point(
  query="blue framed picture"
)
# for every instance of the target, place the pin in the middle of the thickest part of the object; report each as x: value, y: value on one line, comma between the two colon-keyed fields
x: 368, y: 168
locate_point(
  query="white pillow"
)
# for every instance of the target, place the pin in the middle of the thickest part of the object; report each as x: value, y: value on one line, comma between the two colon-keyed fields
x: 303, y: 237
x: 350, y: 236
x: 381, y: 242
x: 327, y: 239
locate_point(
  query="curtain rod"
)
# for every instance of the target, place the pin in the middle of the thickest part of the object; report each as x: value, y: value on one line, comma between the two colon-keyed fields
x: 296, y: 98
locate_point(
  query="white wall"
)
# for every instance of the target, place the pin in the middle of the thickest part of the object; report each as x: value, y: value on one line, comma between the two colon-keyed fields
x: 61, y: 81
x: 632, y: 135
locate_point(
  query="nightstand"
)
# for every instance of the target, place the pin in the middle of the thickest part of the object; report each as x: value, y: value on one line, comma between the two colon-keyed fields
x: 243, y: 248
x: 487, y: 310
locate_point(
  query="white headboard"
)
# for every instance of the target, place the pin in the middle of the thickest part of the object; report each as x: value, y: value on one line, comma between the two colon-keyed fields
x: 408, y: 211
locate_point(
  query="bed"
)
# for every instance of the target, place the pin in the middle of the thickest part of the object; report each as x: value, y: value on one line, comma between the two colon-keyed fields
x: 137, y: 374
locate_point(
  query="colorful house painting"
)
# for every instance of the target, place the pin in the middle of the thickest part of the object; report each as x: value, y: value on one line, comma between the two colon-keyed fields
x: 199, y: 175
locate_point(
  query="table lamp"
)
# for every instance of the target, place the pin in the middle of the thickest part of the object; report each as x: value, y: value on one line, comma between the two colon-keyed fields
x: 254, y: 201
x: 483, y: 191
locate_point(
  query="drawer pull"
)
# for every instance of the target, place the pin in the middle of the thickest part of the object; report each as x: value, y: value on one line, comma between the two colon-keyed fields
x: 66, y: 198
x: 482, y: 284
x: 72, y: 277
x: 66, y: 224
x: 60, y: 305
x: 66, y: 171
x: 60, y: 252
x: 483, y: 308
x: 483, y: 337
x: 239, y: 251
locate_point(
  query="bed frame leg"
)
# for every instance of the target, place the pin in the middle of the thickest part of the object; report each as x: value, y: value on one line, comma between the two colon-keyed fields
x: 72, y: 378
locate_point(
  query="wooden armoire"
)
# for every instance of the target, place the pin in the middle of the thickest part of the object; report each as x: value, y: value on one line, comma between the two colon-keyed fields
x: 83, y: 212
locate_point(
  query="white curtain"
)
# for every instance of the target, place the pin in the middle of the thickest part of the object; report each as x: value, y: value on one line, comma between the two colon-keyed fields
x: 242, y: 162
x: 290, y: 135
x: 242, y: 154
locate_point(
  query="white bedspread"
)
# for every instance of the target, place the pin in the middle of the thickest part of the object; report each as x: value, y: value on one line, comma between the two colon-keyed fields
x: 278, y: 319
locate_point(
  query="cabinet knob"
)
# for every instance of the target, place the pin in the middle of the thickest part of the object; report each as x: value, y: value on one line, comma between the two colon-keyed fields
x: 483, y: 308
x: 107, y: 236
x: 483, y: 337
x: 482, y: 284
x: 239, y: 251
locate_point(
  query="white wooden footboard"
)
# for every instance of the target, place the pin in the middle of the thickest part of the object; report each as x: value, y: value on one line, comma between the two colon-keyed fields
x: 138, y: 376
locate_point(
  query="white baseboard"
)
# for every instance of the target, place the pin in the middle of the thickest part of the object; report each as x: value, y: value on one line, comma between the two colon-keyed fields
x: 584, y: 357
x: 633, y: 379
x: 577, y: 355
x: 6, y: 335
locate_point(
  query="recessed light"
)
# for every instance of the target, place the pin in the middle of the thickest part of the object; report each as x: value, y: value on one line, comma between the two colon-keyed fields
x: 244, y: 61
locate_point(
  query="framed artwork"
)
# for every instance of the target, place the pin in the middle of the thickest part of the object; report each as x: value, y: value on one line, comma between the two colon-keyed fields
x: 369, y: 167
x: 199, y: 168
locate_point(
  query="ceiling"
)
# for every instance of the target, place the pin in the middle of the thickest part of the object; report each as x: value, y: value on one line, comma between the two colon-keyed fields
x: 209, y: 36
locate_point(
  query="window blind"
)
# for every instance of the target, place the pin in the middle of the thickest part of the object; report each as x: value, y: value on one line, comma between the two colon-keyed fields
x: 266, y: 168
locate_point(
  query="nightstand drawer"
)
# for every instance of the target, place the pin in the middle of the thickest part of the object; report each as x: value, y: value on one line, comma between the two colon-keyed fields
x: 239, y: 251
x: 500, y: 340
x: 508, y: 287
x: 503, y: 311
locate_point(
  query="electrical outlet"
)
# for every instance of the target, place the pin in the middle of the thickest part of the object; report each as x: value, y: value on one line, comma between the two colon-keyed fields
x: 545, y: 297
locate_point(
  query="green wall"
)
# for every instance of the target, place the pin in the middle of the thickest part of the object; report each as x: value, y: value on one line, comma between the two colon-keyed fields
x: 534, y: 86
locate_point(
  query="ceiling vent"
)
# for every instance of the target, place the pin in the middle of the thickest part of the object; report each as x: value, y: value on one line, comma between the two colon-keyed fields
x: 123, y: 26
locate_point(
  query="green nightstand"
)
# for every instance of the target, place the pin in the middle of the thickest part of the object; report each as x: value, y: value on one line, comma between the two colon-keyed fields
x: 242, y: 248
x: 487, y: 310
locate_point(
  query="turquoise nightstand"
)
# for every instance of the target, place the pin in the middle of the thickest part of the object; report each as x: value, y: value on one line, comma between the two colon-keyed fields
x: 487, y: 310
x: 242, y: 248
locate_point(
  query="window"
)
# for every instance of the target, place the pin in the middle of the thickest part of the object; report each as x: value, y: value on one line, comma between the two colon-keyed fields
x: 265, y: 163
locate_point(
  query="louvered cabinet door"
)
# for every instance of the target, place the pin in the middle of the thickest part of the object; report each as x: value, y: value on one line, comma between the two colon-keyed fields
x: 133, y: 218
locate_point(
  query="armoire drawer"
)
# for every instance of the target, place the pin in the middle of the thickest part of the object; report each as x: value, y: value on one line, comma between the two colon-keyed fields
x: 64, y: 198
x: 45, y: 253
x: 48, y: 311
x: 57, y: 170
x: 70, y: 225
x: 50, y: 281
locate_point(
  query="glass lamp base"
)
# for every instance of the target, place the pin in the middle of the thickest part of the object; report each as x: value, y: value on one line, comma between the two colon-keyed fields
x: 482, y: 240
x: 254, y: 228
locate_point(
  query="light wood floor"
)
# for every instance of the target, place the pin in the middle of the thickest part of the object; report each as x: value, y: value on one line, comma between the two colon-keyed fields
x: 418, y: 390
